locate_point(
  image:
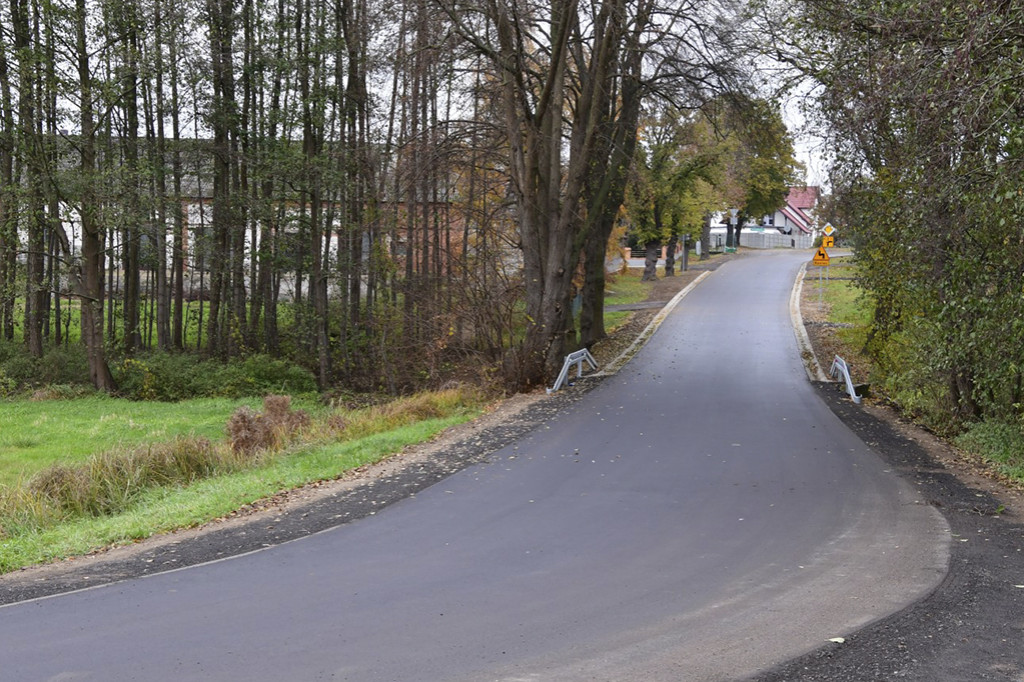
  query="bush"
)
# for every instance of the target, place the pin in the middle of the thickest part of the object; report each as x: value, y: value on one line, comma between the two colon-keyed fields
x: 8, y: 386
x: 20, y: 367
x: 180, y: 376
x: 64, y: 365
x: 997, y: 443
x: 263, y: 375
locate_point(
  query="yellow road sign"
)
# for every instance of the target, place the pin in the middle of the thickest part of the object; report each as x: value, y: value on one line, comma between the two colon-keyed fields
x: 829, y: 230
x: 828, y: 242
x: 821, y: 257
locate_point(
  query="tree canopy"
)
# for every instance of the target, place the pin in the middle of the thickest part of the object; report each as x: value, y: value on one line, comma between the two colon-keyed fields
x: 733, y: 152
x: 920, y: 103
x: 370, y: 189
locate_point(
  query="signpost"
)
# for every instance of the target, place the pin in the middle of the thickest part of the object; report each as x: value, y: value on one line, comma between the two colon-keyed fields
x: 821, y: 258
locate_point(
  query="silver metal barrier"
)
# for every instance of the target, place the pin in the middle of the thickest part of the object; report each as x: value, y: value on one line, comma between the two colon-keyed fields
x: 577, y: 358
x: 839, y: 367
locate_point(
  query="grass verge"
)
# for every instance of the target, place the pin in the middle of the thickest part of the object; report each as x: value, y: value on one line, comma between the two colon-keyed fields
x: 36, y: 434
x: 33, y: 530
x: 837, y: 314
x: 1000, y: 445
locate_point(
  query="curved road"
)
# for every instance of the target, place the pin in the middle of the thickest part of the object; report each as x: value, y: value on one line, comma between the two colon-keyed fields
x: 701, y: 515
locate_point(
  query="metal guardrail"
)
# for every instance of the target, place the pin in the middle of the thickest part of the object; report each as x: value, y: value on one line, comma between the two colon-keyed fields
x: 840, y: 367
x: 577, y: 358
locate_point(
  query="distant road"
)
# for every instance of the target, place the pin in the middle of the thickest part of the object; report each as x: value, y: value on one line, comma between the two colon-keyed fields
x: 702, y: 515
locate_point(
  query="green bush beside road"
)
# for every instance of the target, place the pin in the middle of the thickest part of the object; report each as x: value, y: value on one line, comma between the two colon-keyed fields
x: 895, y: 366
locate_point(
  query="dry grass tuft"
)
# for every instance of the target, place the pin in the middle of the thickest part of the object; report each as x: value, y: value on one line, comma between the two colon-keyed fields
x: 251, y: 432
x: 108, y: 482
x: 408, y: 410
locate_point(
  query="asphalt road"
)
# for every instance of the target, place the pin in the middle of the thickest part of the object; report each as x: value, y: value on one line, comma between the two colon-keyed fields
x: 701, y: 515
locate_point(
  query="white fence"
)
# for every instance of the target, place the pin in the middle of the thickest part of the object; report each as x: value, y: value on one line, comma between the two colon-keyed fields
x: 763, y: 238
x: 776, y: 240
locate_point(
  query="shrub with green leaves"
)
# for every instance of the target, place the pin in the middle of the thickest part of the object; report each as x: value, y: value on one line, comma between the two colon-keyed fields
x: 180, y: 376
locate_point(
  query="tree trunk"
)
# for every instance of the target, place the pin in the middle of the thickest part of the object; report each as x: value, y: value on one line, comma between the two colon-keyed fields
x: 651, y: 256
x: 670, y: 254
x: 604, y: 202
x: 90, y: 284
x: 221, y: 27
x: 163, y: 293
x: 550, y: 190
x: 133, y: 212
x: 178, y: 240
x: 705, y: 238
x: 8, y: 212
x: 32, y: 148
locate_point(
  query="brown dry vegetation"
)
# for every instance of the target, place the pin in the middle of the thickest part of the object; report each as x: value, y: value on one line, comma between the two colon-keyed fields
x: 250, y: 432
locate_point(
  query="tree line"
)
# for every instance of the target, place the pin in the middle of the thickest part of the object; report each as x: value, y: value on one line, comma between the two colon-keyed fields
x: 920, y: 101
x: 365, y: 187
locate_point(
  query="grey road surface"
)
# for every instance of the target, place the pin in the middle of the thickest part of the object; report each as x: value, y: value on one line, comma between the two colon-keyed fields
x: 701, y: 515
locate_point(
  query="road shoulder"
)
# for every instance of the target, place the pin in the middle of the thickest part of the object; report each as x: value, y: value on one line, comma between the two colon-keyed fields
x: 970, y: 627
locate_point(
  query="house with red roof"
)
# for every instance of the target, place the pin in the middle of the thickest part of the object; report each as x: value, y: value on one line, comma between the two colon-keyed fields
x: 797, y: 216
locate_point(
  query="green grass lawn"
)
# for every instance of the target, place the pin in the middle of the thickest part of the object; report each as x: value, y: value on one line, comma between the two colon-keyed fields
x: 621, y: 289
x: 36, y: 434
x: 626, y: 288
x: 167, y: 508
x: 847, y: 307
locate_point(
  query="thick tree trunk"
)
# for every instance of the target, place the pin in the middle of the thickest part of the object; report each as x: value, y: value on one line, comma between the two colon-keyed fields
x: 551, y: 182
x: 652, y: 254
x: 604, y: 201
x: 705, y: 238
x: 592, y: 307
x: 670, y: 255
